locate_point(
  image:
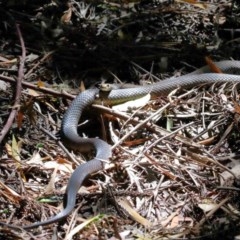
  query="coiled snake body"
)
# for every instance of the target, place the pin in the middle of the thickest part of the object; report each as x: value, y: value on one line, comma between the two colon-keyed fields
x: 103, y: 149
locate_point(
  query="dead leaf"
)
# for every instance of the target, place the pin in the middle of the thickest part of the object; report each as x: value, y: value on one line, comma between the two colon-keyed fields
x: 19, y: 119
x: 66, y: 17
x: 137, y: 103
x: 33, y: 93
x: 212, y: 65
x: 27, y: 110
x: 193, y: 2
x: 58, y: 165
x: 236, y: 107
x: 3, y: 59
x: 70, y: 235
x: 14, y: 149
x: 3, y: 85
x: 40, y: 83
x: 135, y: 142
x: 82, y: 87
x: 7, y: 62
x: 227, y: 178
x: 62, y: 165
x: 36, y: 159
x: 134, y: 214
x: 31, y: 57
x: 207, y: 205
x: 165, y: 222
x: 51, y: 185
x: 179, y: 220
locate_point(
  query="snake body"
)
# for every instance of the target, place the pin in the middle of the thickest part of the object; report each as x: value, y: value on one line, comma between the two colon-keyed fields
x: 103, y: 149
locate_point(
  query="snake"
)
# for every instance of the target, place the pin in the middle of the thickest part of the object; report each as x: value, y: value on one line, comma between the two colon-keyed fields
x: 102, y: 149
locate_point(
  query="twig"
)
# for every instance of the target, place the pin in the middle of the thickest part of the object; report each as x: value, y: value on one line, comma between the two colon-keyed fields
x: 147, y: 72
x: 229, y: 188
x: 140, y: 125
x: 210, y: 214
x: 151, y: 127
x: 37, y: 64
x: 40, y: 89
x: 60, y: 144
x: 18, y: 88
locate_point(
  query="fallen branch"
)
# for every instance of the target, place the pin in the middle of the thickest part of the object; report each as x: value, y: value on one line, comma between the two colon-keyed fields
x: 40, y: 89
x: 18, y: 88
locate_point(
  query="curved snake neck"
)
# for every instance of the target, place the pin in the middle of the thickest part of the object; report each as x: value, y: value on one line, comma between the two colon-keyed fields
x: 103, y: 149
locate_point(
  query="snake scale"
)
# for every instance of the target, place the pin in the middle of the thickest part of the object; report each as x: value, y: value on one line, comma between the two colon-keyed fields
x: 103, y: 149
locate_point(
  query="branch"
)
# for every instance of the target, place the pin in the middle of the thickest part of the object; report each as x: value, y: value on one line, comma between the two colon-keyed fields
x: 18, y: 88
x: 40, y: 89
